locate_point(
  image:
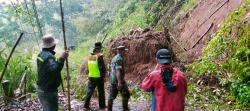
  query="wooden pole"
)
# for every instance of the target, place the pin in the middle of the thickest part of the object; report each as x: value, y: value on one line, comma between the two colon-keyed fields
x: 104, y: 38
x: 65, y: 48
x: 7, y: 62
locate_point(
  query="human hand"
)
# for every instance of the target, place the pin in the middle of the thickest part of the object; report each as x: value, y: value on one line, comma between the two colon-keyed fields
x: 65, y: 54
x: 107, y: 74
x: 119, y: 86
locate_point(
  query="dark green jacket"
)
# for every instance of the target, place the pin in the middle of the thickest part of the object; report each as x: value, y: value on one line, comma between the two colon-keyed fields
x: 49, y: 70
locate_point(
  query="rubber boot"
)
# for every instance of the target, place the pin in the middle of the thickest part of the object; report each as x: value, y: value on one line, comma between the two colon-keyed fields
x: 110, y: 105
x: 125, y: 105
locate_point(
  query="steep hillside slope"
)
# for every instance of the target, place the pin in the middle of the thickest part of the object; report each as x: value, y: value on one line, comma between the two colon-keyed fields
x: 195, y: 30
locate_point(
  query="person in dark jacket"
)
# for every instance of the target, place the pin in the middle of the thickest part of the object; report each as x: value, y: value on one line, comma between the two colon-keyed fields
x: 49, y: 74
x: 96, y: 71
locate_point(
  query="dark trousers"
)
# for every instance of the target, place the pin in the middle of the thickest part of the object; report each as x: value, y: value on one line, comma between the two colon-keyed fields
x: 113, y: 94
x: 49, y: 100
x: 93, y: 82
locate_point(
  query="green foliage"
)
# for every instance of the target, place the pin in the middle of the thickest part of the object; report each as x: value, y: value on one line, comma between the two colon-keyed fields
x: 227, y: 56
x: 134, y: 14
x: 241, y: 91
x: 138, y: 94
x: 96, y: 17
x: 128, y: 8
x: 80, y: 89
x: 210, y: 98
x: 16, y: 70
x: 201, y: 67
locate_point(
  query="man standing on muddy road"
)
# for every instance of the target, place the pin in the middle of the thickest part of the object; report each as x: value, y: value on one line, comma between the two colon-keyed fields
x: 96, y: 73
x: 49, y: 74
x: 117, y: 81
x: 169, y: 84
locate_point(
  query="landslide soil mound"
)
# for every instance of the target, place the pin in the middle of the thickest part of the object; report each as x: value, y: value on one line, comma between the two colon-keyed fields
x: 142, y: 45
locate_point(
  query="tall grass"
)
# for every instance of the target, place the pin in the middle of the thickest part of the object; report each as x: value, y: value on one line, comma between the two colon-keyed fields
x: 132, y: 15
x: 16, y: 69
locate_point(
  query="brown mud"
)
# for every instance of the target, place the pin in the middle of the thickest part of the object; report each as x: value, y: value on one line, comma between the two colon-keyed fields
x: 142, y: 46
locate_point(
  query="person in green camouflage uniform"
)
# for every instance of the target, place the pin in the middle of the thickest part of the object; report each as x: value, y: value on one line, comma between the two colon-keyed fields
x: 118, y: 84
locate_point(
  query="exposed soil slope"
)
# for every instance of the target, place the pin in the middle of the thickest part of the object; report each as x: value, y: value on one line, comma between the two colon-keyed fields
x: 196, y: 29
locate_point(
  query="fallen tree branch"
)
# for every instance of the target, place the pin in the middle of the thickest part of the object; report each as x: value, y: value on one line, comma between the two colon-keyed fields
x: 171, y: 35
x: 208, y: 18
x: 212, y: 24
x: 19, y: 90
x: 23, y: 97
x: 7, y: 62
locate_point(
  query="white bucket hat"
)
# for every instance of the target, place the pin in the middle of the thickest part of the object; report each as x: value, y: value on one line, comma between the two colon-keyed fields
x: 49, y: 41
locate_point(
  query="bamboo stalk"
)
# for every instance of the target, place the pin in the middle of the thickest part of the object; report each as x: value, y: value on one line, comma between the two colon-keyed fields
x: 7, y: 62
x: 31, y: 22
x: 65, y: 48
x: 37, y: 19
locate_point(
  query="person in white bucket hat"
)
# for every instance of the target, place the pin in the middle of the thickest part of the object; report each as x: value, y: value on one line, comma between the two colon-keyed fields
x: 49, y: 41
x: 49, y: 73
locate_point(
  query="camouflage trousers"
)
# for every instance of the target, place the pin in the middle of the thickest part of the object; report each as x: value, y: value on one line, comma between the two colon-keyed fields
x: 113, y: 94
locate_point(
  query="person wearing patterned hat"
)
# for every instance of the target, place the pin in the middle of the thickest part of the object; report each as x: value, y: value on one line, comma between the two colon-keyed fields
x: 117, y: 79
x: 49, y: 73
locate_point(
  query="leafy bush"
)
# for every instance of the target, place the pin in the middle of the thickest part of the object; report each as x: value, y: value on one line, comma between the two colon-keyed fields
x: 16, y: 70
x: 134, y: 14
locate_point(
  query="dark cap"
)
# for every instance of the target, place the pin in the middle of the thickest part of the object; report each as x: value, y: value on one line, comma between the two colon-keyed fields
x: 98, y: 45
x: 164, y: 56
x: 121, y: 47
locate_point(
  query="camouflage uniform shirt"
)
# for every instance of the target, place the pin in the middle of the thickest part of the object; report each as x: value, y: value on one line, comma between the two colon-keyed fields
x: 116, y: 63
